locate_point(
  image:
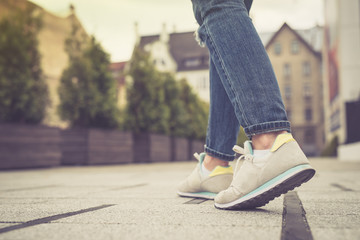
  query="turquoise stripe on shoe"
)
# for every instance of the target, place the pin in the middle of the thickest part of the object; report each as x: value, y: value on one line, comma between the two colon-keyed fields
x: 274, y: 180
x: 210, y: 194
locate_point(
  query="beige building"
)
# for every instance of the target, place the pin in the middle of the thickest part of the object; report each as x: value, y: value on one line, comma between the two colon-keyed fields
x: 52, y: 49
x: 296, y: 58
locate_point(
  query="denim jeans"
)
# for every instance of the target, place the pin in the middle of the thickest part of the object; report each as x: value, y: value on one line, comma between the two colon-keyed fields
x: 243, y: 87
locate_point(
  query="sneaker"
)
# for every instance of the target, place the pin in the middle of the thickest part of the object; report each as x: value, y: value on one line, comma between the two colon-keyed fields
x: 286, y: 168
x: 198, y: 186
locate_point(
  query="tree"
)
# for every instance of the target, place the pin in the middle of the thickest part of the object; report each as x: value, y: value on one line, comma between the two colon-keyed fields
x: 23, y: 90
x: 146, y: 110
x: 196, y: 114
x: 177, y: 119
x: 87, y: 90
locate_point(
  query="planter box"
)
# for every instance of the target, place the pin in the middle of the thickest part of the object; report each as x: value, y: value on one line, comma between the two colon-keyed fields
x: 179, y: 149
x: 74, y: 146
x: 96, y: 146
x: 151, y: 148
x: 28, y: 146
x: 160, y: 148
x: 141, y: 147
x: 109, y: 147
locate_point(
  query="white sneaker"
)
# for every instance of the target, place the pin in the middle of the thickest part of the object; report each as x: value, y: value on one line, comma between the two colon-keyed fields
x: 198, y: 186
x: 286, y: 168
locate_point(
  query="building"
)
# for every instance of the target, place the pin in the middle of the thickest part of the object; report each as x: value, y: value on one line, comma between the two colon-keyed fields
x: 180, y: 53
x: 342, y: 76
x: 118, y: 72
x: 51, y: 38
x: 296, y: 58
x: 295, y: 55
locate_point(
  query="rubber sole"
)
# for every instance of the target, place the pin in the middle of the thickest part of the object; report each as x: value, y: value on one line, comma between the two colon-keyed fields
x: 269, y: 193
x: 202, y: 195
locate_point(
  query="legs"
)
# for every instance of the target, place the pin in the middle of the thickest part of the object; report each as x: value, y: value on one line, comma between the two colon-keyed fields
x: 223, y: 125
x: 243, y: 87
x: 243, y: 91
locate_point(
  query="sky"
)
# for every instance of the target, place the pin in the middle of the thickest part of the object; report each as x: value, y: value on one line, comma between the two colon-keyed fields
x: 112, y: 21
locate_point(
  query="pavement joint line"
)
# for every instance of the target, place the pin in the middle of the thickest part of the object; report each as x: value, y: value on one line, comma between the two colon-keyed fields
x: 116, y: 188
x: 28, y: 188
x: 196, y: 201
x: 52, y: 218
x: 294, y: 223
x: 342, y: 187
x: 11, y: 222
x: 128, y: 186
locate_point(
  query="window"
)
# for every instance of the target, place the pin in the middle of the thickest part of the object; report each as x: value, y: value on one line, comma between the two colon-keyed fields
x: 295, y: 47
x: 203, y: 83
x: 308, y: 114
x: 277, y: 48
x: 287, y: 92
x: 309, y: 136
x: 287, y: 70
x: 307, y: 90
x: 306, y: 69
x: 205, y: 60
x: 192, y: 62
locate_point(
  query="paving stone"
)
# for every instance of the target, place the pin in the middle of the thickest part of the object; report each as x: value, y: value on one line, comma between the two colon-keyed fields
x: 141, y: 203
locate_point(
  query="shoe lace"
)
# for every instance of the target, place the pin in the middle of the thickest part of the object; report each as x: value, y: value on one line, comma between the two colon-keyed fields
x: 244, y: 156
x: 197, y: 156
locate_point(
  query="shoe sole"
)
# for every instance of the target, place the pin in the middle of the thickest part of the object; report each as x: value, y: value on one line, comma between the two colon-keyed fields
x: 202, y: 195
x: 279, y: 185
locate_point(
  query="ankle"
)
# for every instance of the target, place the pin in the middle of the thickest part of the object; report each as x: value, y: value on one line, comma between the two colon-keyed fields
x: 210, y: 163
x: 265, y: 141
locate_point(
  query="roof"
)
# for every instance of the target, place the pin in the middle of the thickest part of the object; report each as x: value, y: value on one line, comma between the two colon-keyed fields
x: 117, y: 66
x: 312, y: 38
x: 183, y: 47
x: 145, y: 40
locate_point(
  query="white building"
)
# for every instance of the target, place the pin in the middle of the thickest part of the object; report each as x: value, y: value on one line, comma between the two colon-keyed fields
x: 180, y: 53
x: 341, y: 55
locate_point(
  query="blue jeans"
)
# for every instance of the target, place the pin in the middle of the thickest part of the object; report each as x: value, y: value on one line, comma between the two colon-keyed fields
x: 243, y: 87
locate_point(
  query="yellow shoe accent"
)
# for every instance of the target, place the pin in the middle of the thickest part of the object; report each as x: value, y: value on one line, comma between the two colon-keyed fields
x: 219, y: 170
x: 281, y: 140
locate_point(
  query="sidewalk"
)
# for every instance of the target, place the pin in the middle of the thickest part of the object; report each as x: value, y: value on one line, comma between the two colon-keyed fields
x: 139, y: 202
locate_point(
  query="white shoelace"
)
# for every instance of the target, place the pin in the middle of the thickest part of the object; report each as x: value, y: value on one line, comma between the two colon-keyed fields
x: 244, y: 156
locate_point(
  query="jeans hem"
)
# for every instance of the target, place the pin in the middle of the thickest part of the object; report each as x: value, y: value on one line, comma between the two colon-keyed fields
x: 267, y: 127
x: 222, y: 156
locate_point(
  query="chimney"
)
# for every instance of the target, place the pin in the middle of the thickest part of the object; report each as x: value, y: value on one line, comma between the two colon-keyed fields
x: 72, y: 9
x: 164, y: 36
x: 137, y: 35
